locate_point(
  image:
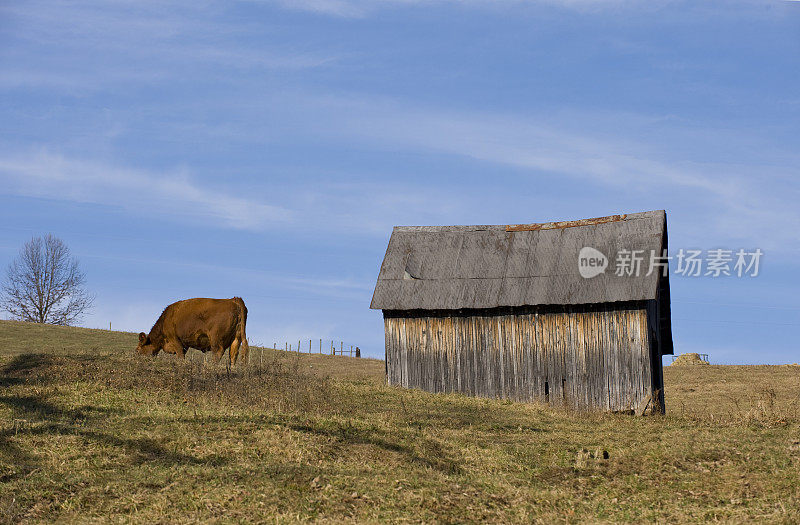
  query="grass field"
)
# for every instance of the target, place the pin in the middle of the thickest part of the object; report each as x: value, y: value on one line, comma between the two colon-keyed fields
x: 91, y: 432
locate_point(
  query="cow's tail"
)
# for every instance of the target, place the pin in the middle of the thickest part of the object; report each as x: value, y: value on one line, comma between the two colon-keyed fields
x: 241, y: 334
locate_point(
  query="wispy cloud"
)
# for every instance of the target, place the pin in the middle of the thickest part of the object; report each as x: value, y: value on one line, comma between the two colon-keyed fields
x: 361, y: 8
x: 176, y: 194
x: 349, y: 208
x: 727, y: 191
x: 712, y: 176
x: 341, y: 8
x: 339, y: 287
x: 136, y: 43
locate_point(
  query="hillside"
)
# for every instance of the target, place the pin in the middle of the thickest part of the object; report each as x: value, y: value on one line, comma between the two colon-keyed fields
x: 22, y: 338
x: 90, y: 431
x: 19, y: 338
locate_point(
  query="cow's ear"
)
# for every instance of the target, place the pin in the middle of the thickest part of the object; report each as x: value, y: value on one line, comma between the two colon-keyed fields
x: 142, y: 337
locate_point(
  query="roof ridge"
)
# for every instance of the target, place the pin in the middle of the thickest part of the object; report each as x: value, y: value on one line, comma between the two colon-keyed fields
x: 532, y: 226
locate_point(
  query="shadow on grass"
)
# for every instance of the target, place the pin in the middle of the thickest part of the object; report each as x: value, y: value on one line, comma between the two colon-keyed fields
x: 21, y: 366
x: 426, y: 452
x: 38, y: 416
x: 29, y: 406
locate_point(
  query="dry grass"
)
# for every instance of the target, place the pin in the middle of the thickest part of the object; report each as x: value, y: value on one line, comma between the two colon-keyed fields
x: 17, y: 338
x: 105, y: 436
x: 738, y: 394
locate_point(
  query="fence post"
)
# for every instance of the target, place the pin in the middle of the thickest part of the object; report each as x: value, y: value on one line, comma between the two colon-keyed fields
x: 320, y: 346
x: 341, y: 347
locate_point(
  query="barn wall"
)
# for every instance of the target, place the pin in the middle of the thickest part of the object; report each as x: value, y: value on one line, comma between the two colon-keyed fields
x: 660, y: 344
x: 577, y: 356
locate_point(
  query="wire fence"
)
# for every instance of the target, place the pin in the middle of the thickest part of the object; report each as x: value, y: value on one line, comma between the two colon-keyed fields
x: 319, y: 346
x: 303, y: 346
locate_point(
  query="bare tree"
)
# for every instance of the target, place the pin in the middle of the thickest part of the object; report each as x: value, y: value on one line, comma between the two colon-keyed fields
x: 45, y: 285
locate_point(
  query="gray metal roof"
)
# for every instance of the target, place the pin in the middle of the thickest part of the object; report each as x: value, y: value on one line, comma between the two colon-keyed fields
x: 455, y: 267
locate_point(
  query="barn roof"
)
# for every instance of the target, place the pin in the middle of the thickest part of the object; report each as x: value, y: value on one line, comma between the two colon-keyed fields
x: 460, y: 267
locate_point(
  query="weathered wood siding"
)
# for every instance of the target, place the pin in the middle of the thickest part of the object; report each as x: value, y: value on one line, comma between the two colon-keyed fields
x: 599, y: 357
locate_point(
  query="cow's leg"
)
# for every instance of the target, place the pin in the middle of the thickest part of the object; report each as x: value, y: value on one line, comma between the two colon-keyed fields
x: 245, y: 349
x: 218, y: 350
x: 174, y: 347
x: 234, y: 351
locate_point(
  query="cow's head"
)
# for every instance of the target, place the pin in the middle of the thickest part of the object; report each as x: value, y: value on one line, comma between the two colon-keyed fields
x: 146, y: 346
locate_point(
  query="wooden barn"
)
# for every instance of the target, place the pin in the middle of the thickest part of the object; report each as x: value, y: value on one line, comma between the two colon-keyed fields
x: 504, y: 311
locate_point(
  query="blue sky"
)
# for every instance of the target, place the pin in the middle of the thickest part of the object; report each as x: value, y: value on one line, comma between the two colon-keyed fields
x: 266, y: 148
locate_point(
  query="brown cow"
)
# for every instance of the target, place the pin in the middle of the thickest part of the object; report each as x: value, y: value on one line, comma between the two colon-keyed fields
x: 205, y: 324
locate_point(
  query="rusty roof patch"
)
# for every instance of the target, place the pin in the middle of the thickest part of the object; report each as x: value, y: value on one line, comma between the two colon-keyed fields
x: 563, y: 224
